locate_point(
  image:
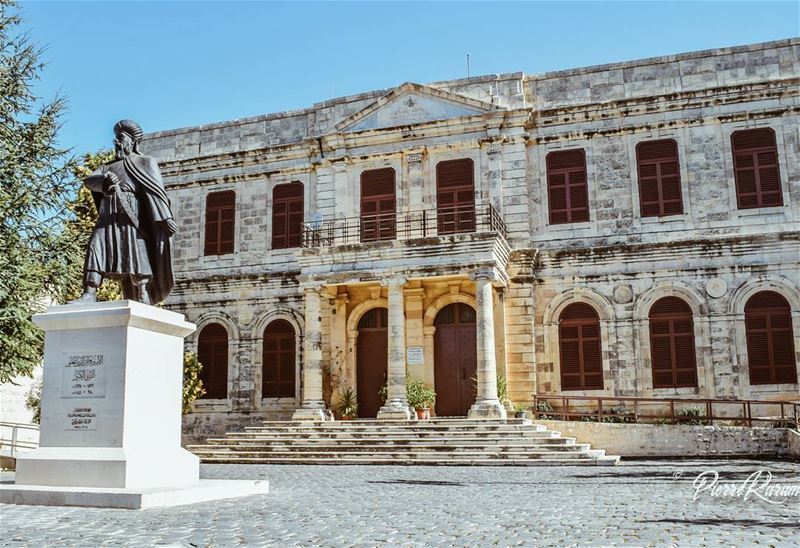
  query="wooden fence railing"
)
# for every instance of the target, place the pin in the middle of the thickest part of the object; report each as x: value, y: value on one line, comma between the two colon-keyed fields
x: 667, y: 410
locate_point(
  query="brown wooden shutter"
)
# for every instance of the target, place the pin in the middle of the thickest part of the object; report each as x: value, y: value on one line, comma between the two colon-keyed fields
x: 278, y: 361
x: 220, y: 214
x: 455, y: 196
x: 378, y: 205
x: 770, y: 339
x: 659, y: 178
x: 567, y: 190
x: 212, y: 353
x: 672, y: 344
x: 287, y: 215
x: 755, y: 162
x: 580, y: 348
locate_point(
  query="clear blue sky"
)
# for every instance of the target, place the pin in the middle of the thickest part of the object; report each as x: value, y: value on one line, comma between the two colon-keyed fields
x: 170, y: 65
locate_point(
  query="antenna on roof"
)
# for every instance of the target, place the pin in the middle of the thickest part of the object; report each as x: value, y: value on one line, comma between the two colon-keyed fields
x: 468, y: 65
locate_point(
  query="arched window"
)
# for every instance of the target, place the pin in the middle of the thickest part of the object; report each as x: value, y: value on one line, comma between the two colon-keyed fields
x: 580, y: 349
x: 287, y: 215
x: 770, y: 339
x: 212, y: 352
x: 220, y: 214
x: 278, y: 361
x: 755, y: 163
x: 672, y: 344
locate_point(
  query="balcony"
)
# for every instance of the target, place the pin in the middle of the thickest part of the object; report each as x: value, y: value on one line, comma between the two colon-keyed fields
x: 423, y: 223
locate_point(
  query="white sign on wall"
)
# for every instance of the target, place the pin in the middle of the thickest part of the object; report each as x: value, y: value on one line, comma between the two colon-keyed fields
x: 83, y: 375
x: 414, y: 355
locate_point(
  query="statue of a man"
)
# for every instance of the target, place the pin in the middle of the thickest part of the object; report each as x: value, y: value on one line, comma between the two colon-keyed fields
x: 130, y: 242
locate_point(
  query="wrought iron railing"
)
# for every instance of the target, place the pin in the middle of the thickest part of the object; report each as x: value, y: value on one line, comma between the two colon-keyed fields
x: 403, y: 226
x: 667, y: 410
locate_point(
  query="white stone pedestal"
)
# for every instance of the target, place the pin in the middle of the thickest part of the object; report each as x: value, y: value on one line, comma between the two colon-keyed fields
x: 111, y: 412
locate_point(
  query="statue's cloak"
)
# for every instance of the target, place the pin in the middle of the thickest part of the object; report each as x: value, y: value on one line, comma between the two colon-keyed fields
x: 153, y: 208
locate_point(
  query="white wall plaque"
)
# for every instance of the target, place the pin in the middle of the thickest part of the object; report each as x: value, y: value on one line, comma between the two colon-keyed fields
x: 414, y: 355
x: 81, y: 418
x: 83, y: 375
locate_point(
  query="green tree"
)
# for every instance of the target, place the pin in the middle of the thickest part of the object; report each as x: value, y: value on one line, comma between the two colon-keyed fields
x: 36, y: 184
x: 192, y: 385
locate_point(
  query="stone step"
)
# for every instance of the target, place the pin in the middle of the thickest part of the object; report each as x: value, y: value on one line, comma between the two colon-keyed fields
x: 434, y: 448
x: 468, y: 455
x: 590, y: 461
x: 399, y: 428
x: 377, y: 434
x: 434, y: 421
x: 387, y: 442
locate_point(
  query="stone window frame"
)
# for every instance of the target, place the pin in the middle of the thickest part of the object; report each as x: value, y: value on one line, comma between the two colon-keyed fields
x: 229, y: 259
x: 739, y: 357
x: 541, y: 224
x: 481, y: 192
x: 669, y: 222
x: 394, y: 161
x: 295, y: 319
x: 234, y: 340
x: 305, y: 180
x: 608, y: 338
x: 727, y: 130
x: 702, y: 341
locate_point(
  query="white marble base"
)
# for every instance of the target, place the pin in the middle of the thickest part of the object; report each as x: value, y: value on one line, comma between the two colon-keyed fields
x: 396, y: 413
x: 133, y: 499
x: 489, y: 409
x: 309, y: 415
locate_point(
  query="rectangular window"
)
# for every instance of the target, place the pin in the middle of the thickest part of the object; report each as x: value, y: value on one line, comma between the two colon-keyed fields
x: 659, y: 178
x: 455, y: 196
x: 566, y: 186
x: 378, y: 205
x: 287, y: 215
x: 220, y: 214
x: 755, y: 163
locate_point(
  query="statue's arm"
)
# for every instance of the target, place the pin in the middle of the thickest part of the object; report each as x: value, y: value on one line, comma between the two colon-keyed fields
x: 94, y: 181
x: 162, y: 212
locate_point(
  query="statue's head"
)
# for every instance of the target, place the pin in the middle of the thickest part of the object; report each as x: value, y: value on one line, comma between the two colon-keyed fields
x: 127, y: 135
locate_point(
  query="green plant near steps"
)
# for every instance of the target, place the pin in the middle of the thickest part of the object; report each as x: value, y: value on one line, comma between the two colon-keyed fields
x: 192, y: 384
x: 419, y: 396
x: 347, y: 406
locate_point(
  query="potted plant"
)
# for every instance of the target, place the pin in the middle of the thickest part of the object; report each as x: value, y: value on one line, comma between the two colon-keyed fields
x: 420, y: 397
x: 520, y: 411
x: 347, y: 406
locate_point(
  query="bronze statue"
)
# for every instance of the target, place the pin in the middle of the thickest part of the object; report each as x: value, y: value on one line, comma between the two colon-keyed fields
x: 130, y: 242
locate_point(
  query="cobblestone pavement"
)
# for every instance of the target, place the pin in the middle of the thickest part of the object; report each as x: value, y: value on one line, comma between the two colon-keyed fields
x: 635, y: 503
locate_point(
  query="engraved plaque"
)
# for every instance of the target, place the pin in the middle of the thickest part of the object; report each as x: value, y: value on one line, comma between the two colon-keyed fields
x: 83, y: 375
x: 414, y: 355
x: 81, y: 418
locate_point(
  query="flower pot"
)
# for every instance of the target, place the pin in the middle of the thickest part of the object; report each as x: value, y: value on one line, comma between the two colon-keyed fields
x: 521, y: 415
x: 423, y: 414
x: 345, y: 418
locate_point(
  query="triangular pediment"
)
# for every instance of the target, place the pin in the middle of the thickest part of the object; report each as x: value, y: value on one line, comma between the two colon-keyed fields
x: 411, y: 104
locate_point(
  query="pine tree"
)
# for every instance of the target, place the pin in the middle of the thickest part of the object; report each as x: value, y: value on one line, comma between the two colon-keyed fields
x: 36, y: 184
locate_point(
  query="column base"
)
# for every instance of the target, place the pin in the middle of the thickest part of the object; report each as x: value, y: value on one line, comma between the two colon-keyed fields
x: 396, y: 413
x: 489, y: 409
x: 310, y: 415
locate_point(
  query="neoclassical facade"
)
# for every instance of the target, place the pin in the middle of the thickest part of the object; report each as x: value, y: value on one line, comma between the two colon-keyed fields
x: 628, y: 229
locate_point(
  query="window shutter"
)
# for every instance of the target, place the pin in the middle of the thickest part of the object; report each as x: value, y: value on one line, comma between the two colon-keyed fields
x: 278, y: 361
x: 659, y: 178
x: 287, y: 215
x: 770, y: 339
x: 755, y: 162
x: 220, y: 215
x: 672, y: 349
x: 567, y: 189
x: 212, y: 353
x: 580, y: 348
x: 455, y: 196
x: 378, y: 205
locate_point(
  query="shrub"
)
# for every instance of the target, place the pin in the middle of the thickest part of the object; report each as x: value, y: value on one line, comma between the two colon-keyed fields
x: 33, y: 401
x: 192, y: 385
x: 419, y: 396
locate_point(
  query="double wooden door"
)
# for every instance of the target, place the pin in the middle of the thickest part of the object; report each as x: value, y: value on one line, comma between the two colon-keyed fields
x: 455, y: 360
x: 372, y: 359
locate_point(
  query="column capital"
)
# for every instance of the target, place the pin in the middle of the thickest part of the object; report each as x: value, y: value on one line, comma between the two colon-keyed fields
x: 488, y: 275
x: 394, y: 281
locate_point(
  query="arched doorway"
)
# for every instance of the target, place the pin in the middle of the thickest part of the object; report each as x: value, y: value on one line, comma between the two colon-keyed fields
x: 372, y: 357
x: 278, y: 361
x: 455, y: 360
x: 212, y: 353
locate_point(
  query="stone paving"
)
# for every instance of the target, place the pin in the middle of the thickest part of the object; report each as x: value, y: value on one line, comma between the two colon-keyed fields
x: 636, y: 503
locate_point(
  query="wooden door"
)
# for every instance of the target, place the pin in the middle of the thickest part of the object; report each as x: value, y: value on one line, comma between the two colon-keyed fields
x: 455, y: 360
x: 378, y: 205
x: 455, y: 196
x: 372, y: 359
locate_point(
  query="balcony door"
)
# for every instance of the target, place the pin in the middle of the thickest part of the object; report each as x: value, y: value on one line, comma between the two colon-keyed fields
x: 455, y: 196
x: 378, y: 205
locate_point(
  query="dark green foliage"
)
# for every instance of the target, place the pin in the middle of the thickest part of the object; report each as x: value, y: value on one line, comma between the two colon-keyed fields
x: 36, y: 184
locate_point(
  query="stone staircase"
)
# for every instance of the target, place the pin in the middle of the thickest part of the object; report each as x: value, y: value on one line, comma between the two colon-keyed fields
x: 510, y: 442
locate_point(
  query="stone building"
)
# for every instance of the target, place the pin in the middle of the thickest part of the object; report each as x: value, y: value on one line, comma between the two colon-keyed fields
x: 628, y: 229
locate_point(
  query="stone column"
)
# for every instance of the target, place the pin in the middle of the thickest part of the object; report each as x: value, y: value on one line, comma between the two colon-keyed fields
x: 396, y: 407
x: 487, y: 405
x: 313, y: 408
